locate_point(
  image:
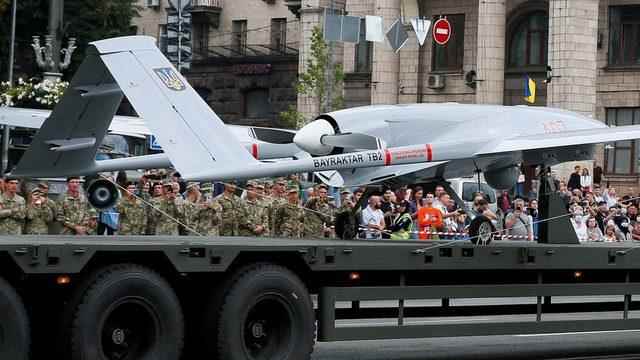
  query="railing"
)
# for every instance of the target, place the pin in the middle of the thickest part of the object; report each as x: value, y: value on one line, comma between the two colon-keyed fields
x: 207, y: 3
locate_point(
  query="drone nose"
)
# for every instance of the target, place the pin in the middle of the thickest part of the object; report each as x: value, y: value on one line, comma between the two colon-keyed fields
x: 309, y: 138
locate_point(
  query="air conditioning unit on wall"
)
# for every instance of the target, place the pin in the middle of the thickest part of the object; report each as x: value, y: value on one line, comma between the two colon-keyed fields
x: 436, y: 81
x: 152, y: 3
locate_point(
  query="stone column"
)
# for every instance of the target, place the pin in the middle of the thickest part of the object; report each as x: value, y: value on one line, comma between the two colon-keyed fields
x: 573, y: 36
x: 491, y: 51
x: 386, y: 63
x: 312, y: 15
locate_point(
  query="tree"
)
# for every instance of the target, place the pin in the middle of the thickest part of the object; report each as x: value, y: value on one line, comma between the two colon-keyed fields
x: 86, y: 20
x: 319, y: 79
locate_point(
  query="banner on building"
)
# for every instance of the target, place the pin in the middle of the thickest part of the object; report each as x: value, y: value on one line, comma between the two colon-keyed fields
x: 374, y: 28
x: 341, y: 28
x: 397, y: 35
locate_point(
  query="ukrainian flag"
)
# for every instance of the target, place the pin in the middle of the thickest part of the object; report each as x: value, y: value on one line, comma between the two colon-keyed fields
x: 529, y: 90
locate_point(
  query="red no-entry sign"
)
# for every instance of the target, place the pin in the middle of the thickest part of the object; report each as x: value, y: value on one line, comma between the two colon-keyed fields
x: 441, y: 31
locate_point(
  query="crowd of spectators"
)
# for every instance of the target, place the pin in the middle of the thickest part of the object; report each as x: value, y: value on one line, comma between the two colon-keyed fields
x: 283, y: 207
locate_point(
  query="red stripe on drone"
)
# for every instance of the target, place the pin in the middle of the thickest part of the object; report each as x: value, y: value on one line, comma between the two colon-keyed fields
x: 387, y: 157
x: 254, y: 150
x: 429, y: 152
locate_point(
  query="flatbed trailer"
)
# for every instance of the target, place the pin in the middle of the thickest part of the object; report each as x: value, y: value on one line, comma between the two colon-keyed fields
x: 168, y: 298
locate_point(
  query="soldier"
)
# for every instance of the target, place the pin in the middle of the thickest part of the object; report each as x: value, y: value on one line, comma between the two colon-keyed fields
x: 154, y: 202
x: 167, y: 212
x: 319, y: 217
x: 278, y: 199
x: 193, y: 205
x: 257, y: 218
x: 38, y: 215
x: 133, y: 219
x: 74, y: 212
x: 289, y: 218
x: 233, y: 212
x: 210, y: 218
x: 44, y: 195
x: 12, y: 209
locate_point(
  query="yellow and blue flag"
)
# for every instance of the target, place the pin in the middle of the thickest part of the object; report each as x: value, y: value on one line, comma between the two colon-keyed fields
x: 529, y: 90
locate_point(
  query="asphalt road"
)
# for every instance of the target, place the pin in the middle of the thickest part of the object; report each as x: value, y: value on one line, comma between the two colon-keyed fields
x: 618, y: 345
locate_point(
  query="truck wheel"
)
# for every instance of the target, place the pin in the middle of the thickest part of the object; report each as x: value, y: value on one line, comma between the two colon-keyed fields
x: 481, y: 230
x: 127, y: 312
x: 15, y: 339
x: 266, y: 313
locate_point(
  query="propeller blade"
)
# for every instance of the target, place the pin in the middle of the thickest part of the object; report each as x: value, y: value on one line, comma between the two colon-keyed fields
x: 352, y: 141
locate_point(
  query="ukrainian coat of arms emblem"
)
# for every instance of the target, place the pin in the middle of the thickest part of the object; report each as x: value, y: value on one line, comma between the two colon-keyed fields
x: 170, y: 79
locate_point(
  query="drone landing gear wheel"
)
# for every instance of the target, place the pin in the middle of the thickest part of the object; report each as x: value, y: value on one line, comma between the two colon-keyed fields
x: 481, y: 231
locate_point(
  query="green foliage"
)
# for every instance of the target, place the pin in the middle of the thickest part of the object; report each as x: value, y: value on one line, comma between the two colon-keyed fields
x: 86, y: 20
x: 319, y: 78
x: 291, y: 118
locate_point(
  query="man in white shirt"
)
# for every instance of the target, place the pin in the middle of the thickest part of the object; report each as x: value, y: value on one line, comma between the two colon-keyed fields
x: 373, y: 219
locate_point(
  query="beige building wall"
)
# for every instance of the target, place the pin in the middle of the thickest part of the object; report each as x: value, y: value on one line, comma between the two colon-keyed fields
x: 151, y: 18
x: 491, y: 51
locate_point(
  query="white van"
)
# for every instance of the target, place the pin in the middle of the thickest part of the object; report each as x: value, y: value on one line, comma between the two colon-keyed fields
x: 467, y: 186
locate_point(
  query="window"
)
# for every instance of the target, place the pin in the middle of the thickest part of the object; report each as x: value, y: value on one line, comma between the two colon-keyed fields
x: 623, y: 157
x: 278, y: 35
x: 162, y: 35
x: 239, y: 36
x: 364, y: 51
x: 256, y: 104
x: 624, y: 35
x: 449, y: 57
x: 528, y: 45
x: 200, y: 37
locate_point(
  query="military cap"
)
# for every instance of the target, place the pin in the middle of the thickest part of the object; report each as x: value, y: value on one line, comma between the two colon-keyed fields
x: 281, y: 181
x: 167, y: 182
x: 292, y: 189
x: 191, y: 184
x: 252, y: 183
x: 36, y: 191
x: 231, y: 182
x: 322, y: 186
x: 259, y: 186
x: 43, y: 185
x: 345, y: 191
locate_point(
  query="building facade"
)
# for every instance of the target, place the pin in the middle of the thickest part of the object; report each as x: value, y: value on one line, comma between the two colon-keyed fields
x: 583, y: 54
x: 245, y: 55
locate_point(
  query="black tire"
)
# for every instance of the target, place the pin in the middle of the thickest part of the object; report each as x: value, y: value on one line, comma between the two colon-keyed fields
x: 15, y: 337
x: 267, y: 313
x: 481, y: 230
x: 127, y: 312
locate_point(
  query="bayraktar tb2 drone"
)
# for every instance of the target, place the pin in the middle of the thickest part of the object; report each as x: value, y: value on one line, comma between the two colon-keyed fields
x: 364, y: 145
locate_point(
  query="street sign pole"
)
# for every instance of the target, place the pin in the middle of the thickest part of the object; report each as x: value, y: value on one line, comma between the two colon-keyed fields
x: 179, y: 36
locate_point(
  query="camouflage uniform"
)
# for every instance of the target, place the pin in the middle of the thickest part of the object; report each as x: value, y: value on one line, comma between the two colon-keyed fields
x: 289, y: 221
x: 38, y: 218
x: 161, y: 224
x: 256, y: 214
x: 133, y: 218
x: 232, y: 214
x: 192, y: 212
x: 274, y: 204
x: 320, y: 214
x: 74, y: 211
x: 12, y: 214
x: 209, y: 219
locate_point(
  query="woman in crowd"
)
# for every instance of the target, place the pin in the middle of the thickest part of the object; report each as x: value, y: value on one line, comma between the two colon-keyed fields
x: 585, y: 180
x: 416, y: 201
x: 610, y: 233
x: 402, y: 222
x: 593, y: 231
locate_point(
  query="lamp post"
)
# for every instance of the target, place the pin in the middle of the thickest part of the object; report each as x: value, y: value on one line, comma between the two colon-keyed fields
x: 5, y: 129
x: 48, y: 55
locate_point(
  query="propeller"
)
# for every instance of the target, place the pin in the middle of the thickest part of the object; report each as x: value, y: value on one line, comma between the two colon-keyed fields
x: 352, y: 141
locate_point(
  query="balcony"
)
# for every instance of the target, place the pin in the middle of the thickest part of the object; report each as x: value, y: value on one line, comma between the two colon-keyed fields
x: 294, y: 6
x: 207, y: 11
